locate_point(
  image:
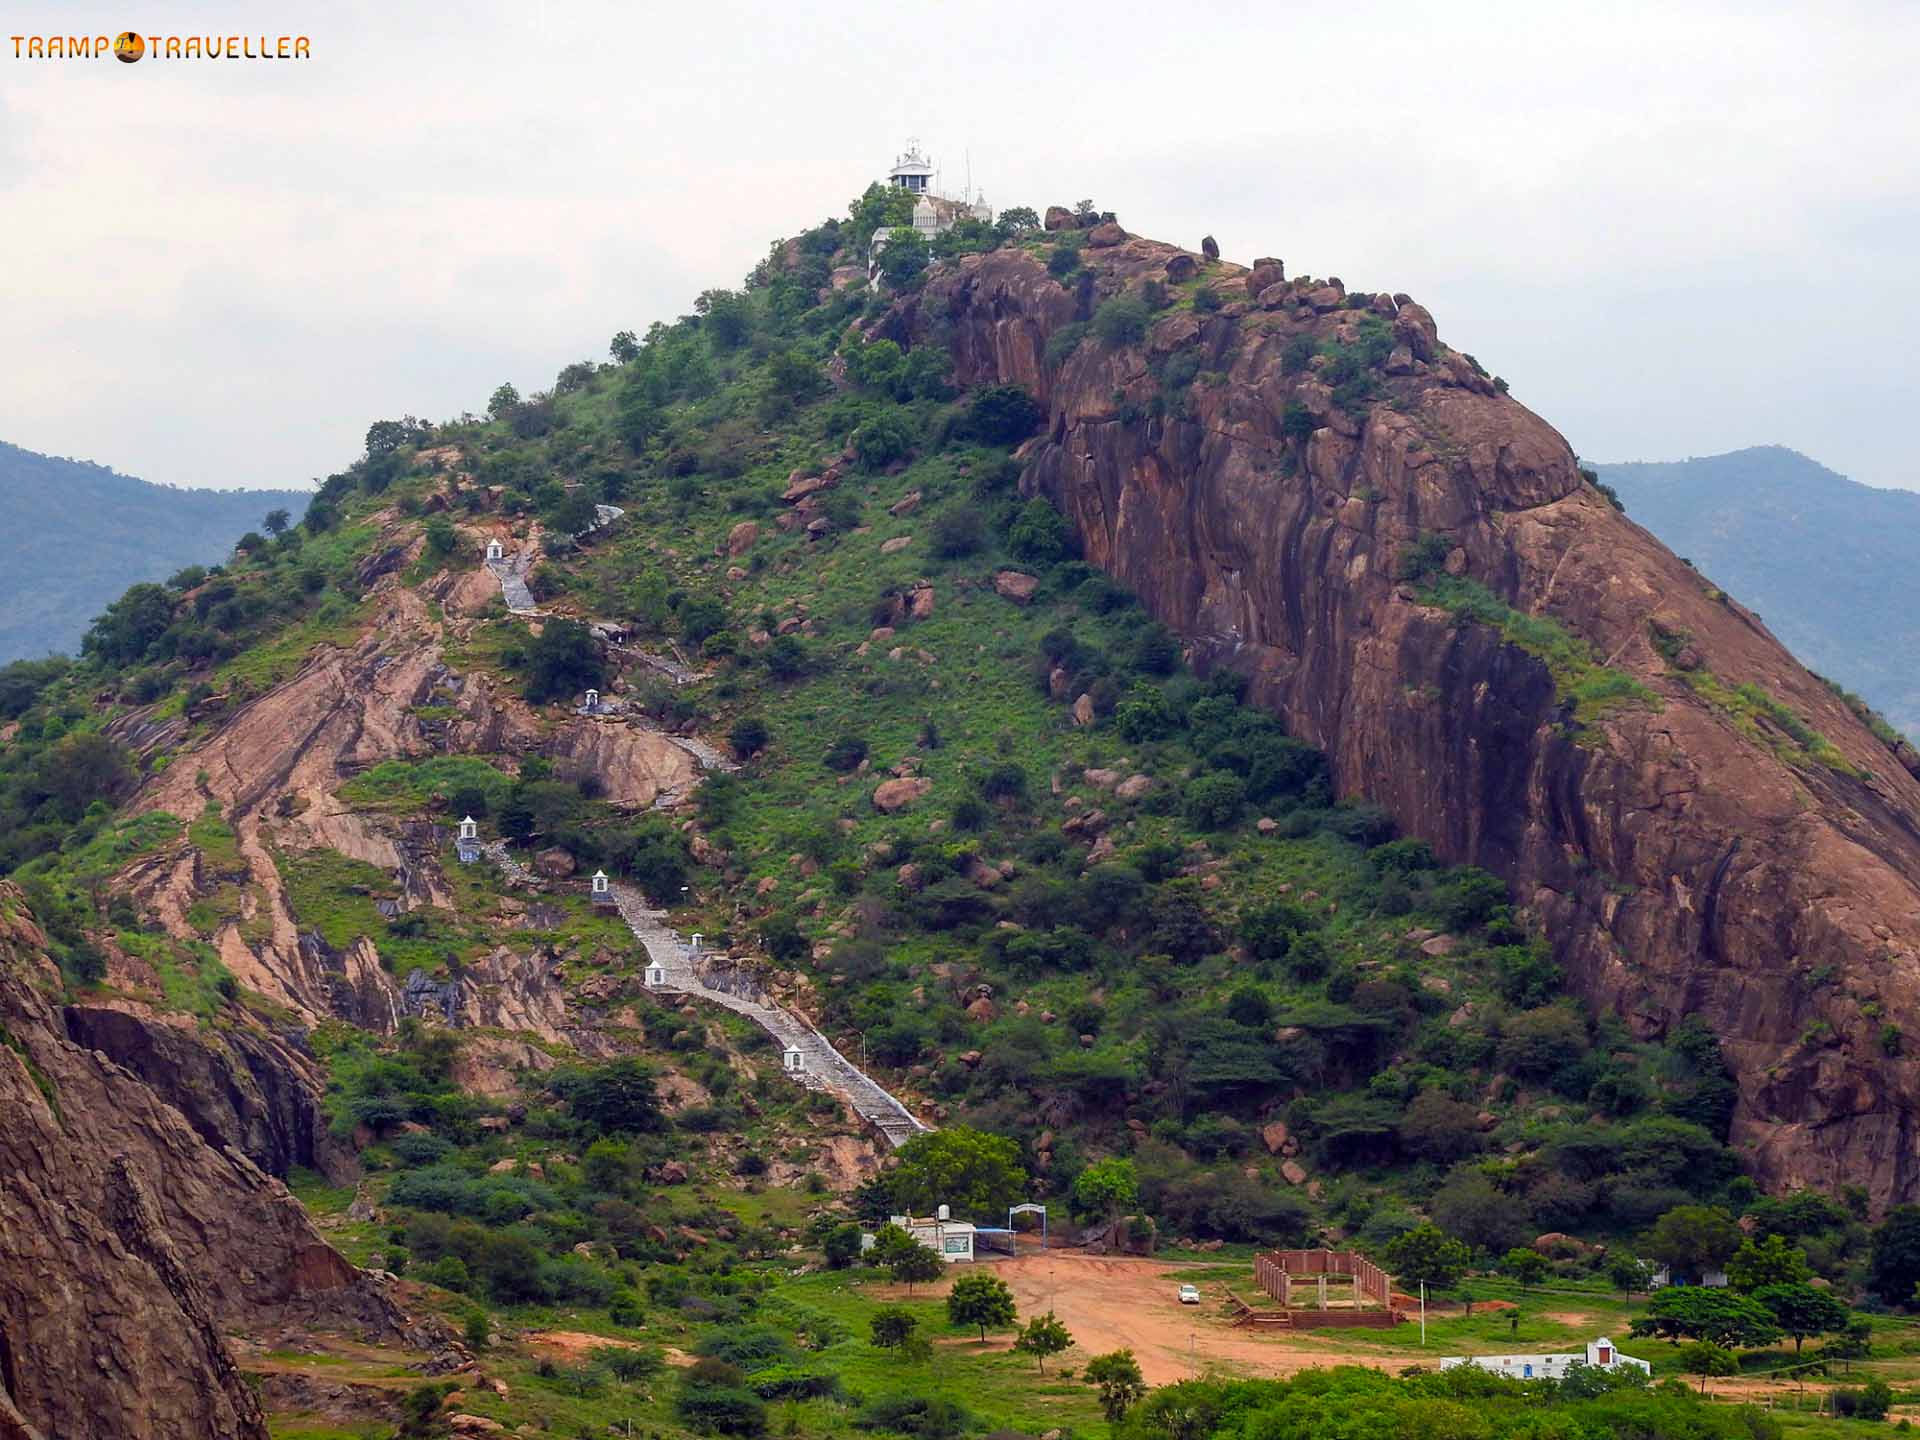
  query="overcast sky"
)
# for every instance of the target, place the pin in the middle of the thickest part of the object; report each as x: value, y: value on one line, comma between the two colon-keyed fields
x: 1676, y: 229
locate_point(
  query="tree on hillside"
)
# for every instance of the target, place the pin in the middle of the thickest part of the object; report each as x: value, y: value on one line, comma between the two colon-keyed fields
x: 916, y: 1264
x: 958, y: 1166
x: 625, y: 347
x: 904, y: 260
x: 1117, y: 1374
x: 1044, y: 1336
x: 1107, y: 1188
x: 276, y: 523
x: 617, y: 1097
x: 503, y: 400
x: 841, y: 1246
x: 1693, y: 1239
x: 1697, y: 1312
x: 1426, y: 1255
x: 1015, y: 219
x: 1438, y: 1127
x: 1894, y: 1267
x: 132, y: 624
x: 891, y: 1327
x: 1771, y: 1262
x: 563, y: 660
x: 1704, y: 1358
x: 1528, y: 1267
x: 1803, y: 1310
x: 1003, y: 415
x: 890, y: 1242
x: 82, y: 768
x: 981, y: 1299
x: 881, y: 207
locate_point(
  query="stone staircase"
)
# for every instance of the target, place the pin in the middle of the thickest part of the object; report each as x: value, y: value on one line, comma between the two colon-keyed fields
x: 512, y: 571
x: 512, y: 575
x: 718, y: 979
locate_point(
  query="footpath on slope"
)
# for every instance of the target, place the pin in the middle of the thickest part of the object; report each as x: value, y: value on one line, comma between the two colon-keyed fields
x: 716, y: 978
x: 685, y: 969
x: 512, y: 571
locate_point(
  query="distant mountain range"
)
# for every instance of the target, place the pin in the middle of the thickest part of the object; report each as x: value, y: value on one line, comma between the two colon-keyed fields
x: 74, y: 535
x: 1832, y: 566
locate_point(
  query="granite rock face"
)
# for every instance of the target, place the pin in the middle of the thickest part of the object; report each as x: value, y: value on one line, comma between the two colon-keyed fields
x: 1687, y: 856
x: 133, y: 1245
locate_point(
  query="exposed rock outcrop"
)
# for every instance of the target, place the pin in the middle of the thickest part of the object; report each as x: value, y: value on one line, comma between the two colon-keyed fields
x: 1685, y: 857
x: 242, y: 1087
x: 132, y: 1244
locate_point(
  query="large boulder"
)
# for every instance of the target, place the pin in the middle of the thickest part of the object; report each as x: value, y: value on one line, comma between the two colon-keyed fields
x: 1264, y: 275
x: 1181, y: 268
x: 554, y: 863
x: 1060, y: 218
x: 1105, y: 236
x: 1209, y: 247
x: 1014, y: 586
x: 1413, y: 327
x: 893, y: 795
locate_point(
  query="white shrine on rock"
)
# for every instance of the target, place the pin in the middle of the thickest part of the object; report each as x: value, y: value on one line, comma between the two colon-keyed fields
x: 914, y: 172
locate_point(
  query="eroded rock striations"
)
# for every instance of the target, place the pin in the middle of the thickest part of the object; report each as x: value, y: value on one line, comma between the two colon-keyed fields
x: 1691, y: 848
x: 130, y: 1244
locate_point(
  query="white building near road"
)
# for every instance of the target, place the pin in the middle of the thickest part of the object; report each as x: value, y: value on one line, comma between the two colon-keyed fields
x: 950, y: 1239
x: 1600, y: 1354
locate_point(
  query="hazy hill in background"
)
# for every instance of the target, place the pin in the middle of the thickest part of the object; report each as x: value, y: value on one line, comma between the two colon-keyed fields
x: 1832, y: 566
x: 74, y: 535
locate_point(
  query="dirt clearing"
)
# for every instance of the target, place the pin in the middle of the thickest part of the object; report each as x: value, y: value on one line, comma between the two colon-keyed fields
x: 1124, y: 1303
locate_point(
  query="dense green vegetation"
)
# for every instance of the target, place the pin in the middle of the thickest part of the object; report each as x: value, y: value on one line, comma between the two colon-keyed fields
x: 1122, y: 935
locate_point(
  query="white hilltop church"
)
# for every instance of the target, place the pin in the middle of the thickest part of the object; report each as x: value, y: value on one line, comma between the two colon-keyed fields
x: 933, y: 211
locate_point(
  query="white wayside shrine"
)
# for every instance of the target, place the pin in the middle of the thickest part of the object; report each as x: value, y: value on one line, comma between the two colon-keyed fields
x: 495, y: 551
x: 466, y: 843
x: 793, y: 1059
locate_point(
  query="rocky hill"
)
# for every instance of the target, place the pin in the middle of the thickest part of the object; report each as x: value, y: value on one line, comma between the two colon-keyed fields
x: 1833, y: 566
x: 1422, y: 580
x: 1180, y: 735
x: 74, y: 535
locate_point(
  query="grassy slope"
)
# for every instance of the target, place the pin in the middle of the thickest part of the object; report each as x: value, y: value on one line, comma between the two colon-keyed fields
x: 720, y: 453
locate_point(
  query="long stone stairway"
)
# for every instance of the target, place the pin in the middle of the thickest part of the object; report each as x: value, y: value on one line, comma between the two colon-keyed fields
x: 683, y: 969
x: 716, y: 978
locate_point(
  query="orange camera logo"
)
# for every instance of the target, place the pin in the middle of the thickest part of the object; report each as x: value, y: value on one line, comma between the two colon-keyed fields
x: 129, y: 46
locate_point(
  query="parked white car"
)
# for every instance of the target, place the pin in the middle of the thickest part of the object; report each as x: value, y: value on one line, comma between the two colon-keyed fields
x: 1189, y: 1294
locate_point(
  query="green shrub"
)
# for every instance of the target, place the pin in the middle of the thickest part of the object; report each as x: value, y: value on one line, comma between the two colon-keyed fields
x: 1037, y: 534
x: 1122, y: 321
x: 882, y: 440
